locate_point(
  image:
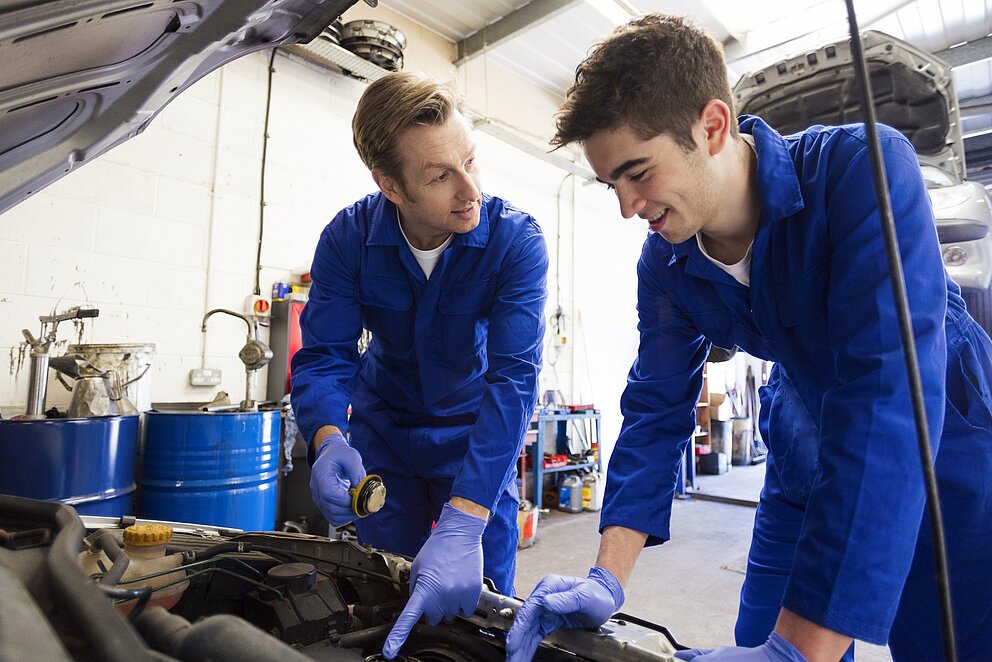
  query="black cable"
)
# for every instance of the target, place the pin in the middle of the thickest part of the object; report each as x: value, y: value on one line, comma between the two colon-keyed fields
x: 261, y: 192
x: 238, y: 547
x: 906, y: 335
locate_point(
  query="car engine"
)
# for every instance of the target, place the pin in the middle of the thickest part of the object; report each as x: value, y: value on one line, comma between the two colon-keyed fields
x: 66, y: 593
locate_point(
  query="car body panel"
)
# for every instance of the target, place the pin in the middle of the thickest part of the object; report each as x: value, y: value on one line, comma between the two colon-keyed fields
x: 79, y: 78
x: 913, y: 92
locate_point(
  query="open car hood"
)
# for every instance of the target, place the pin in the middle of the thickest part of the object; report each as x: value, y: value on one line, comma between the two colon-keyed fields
x: 913, y: 92
x: 79, y: 78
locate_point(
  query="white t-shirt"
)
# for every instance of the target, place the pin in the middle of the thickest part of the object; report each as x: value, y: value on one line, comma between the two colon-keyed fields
x: 426, y: 259
x: 741, y: 272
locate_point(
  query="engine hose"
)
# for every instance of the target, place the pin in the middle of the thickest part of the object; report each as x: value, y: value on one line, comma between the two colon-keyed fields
x: 106, y: 541
x: 239, y: 547
x: 221, y: 638
x: 906, y: 336
x: 143, y: 594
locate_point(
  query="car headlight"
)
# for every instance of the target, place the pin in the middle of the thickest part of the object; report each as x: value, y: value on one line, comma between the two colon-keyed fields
x: 955, y: 256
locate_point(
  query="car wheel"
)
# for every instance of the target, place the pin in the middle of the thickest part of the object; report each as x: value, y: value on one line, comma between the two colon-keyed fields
x: 980, y: 306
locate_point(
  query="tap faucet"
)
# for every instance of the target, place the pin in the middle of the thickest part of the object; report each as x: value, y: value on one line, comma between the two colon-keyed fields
x: 38, y: 385
x: 255, y: 355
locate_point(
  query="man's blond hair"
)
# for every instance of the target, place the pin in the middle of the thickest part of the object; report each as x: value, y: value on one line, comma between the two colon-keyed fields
x: 393, y: 104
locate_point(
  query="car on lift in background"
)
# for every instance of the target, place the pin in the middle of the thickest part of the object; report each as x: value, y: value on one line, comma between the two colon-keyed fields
x: 914, y: 93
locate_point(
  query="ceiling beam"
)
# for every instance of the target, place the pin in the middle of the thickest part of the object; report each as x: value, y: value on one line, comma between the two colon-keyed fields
x: 968, y: 52
x: 974, y: 106
x: 529, y: 16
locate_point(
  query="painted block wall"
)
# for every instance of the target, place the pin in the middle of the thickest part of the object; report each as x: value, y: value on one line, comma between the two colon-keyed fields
x: 165, y: 227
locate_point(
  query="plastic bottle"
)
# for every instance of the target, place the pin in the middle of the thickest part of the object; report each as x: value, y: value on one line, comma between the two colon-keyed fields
x: 144, y: 545
x: 592, y: 491
x: 570, y: 494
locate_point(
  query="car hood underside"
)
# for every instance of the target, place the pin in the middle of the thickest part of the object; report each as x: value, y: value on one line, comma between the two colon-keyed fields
x: 79, y: 78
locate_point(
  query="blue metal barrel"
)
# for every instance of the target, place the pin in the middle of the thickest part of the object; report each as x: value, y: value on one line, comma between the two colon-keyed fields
x: 211, y: 468
x: 87, y: 463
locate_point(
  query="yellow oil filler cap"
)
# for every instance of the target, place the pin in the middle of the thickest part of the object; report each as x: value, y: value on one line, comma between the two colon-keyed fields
x: 369, y: 496
x: 147, y: 535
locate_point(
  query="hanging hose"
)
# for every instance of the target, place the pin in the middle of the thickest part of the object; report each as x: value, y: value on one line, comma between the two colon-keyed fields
x: 906, y: 336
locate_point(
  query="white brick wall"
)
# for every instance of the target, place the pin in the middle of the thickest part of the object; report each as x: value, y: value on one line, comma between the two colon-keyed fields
x: 165, y: 227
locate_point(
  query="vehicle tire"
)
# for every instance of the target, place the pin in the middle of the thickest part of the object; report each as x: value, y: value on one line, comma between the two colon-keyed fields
x: 980, y: 306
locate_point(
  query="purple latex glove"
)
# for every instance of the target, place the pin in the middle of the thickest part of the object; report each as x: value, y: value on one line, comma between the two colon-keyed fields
x: 336, y: 468
x: 562, y: 602
x: 446, y: 577
x: 776, y: 649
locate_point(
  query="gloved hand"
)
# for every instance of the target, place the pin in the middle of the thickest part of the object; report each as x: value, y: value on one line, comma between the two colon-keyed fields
x: 336, y: 467
x: 446, y: 577
x: 776, y: 649
x: 562, y: 602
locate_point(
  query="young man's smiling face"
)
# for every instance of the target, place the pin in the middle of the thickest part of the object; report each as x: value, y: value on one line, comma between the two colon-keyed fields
x: 439, y: 192
x: 655, y: 179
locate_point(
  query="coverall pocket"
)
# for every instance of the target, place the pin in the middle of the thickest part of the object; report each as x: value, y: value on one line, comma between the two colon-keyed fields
x: 465, y: 309
x: 386, y: 305
x: 969, y: 371
x: 792, y: 437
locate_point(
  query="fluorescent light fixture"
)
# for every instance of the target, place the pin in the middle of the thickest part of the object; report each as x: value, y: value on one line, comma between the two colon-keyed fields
x: 613, y: 10
x: 558, y: 158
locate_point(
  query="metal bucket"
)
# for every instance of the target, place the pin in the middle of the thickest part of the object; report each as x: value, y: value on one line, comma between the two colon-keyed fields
x: 214, y: 468
x: 87, y: 463
x: 131, y: 362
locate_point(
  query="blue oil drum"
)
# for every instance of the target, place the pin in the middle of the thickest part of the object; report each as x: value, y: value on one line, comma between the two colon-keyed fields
x: 216, y: 468
x: 86, y: 463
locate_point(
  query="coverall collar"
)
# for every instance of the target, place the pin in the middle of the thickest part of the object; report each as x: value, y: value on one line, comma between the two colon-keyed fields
x: 781, y: 195
x: 384, y: 229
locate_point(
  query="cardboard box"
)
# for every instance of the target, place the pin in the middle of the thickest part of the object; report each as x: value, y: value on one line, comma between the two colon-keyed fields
x: 526, y: 528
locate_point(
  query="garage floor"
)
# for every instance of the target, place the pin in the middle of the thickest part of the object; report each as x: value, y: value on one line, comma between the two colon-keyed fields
x: 691, y: 584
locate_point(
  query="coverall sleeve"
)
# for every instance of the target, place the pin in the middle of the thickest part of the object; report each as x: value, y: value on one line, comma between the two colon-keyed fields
x: 514, y: 349
x: 325, y: 368
x: 658, y: 407
x: 867, y: 497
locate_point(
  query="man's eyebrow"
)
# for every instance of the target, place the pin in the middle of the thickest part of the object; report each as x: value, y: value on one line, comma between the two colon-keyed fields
x: 625, y: 166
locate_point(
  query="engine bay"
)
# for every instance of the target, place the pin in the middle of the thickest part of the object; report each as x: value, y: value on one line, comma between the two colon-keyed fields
x: 71, y: 589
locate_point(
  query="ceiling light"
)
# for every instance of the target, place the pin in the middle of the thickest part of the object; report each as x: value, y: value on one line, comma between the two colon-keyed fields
x: 614, y: 10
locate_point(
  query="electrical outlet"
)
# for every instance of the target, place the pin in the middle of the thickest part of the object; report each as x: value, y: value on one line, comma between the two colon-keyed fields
x: 205, y: 376
x: 258, y: 306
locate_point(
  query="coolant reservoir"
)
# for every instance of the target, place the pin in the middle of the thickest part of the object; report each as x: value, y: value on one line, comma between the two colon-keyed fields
x: 145, y: 545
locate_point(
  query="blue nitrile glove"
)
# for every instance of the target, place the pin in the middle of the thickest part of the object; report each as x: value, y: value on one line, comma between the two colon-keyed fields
x: 562, y: 602
x: 776, y: 649
x: 446, y: 577
x: 337, y: 467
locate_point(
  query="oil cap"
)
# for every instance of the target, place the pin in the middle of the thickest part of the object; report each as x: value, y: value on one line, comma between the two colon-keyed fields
x: 147, y: 535
x: 369, y: 496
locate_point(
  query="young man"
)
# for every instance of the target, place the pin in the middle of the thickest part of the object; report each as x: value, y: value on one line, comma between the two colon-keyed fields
x: 773, y: 244
x: 451, y: 283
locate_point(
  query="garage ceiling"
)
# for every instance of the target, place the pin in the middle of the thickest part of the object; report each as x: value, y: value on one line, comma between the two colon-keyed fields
x: 544, y: 40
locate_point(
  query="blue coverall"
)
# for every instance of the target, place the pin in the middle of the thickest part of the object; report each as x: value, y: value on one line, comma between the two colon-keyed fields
x: 443, y: 396
x: 839, y: 535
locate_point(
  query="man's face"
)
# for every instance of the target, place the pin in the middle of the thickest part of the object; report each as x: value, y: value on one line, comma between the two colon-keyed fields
x: 656, y: 180
x: 439, y: 191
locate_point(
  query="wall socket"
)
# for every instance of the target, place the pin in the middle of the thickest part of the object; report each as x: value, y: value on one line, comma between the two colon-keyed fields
x: 205, y: 376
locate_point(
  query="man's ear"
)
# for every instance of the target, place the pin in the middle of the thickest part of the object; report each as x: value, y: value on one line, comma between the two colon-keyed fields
x: 388, y: 185
x: 715, y: 120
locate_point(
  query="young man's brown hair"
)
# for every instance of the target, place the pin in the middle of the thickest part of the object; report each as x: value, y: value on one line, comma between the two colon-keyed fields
x: 652, y: 75
x: 392, y: 104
